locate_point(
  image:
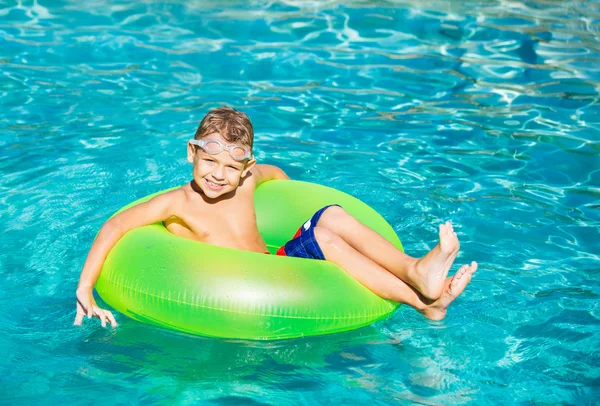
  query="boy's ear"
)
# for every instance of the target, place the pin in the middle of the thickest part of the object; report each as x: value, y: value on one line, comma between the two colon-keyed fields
x: 248, y: 166
x: 190, y: 152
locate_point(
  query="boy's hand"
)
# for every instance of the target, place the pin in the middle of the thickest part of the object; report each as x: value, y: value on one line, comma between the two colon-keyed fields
x: 86, y: 305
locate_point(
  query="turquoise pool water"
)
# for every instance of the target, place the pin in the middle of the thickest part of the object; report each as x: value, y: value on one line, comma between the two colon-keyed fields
x: 485, y: 113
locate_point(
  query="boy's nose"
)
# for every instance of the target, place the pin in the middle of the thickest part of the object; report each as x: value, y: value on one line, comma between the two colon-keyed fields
x: 218, y: 173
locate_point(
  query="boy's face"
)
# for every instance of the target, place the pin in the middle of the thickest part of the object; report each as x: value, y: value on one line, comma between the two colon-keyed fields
x: 217, y: 174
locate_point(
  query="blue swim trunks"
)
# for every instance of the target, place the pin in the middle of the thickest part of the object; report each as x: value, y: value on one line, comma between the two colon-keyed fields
x: 304, y: 244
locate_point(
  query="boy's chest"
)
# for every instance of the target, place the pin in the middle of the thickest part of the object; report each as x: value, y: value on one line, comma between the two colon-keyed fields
x: 222, y: 221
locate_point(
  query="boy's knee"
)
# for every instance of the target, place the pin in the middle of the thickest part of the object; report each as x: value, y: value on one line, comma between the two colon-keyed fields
x: 333, y: 215
x: 326, y: 237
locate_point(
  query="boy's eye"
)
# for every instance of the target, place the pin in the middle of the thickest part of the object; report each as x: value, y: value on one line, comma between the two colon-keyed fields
x: 209, y: 160
x: 233, y: 167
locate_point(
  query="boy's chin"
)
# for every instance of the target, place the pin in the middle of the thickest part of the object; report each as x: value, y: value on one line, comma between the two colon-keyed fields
x: 213, y: 193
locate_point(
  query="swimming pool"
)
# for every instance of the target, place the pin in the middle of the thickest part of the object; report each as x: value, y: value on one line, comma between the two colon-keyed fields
x: 485, y: 113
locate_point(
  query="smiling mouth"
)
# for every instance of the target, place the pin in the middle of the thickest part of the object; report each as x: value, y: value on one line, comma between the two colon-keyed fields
x: 213, y: 185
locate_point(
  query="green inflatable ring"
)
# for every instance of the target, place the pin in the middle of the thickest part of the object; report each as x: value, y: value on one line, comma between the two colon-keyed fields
x: 159, y: 278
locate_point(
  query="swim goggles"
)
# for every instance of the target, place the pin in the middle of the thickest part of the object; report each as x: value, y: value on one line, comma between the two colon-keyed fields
x: 215, y: 146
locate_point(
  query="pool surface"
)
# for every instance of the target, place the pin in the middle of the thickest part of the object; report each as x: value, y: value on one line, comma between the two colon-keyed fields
x: 485, y: 113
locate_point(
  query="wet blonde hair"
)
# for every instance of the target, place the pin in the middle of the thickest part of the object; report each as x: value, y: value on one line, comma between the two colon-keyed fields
x: 234, y: 126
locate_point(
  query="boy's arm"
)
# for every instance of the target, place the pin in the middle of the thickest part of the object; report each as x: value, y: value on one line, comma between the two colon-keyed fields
x: 157, y: 209
x: 265, y: 173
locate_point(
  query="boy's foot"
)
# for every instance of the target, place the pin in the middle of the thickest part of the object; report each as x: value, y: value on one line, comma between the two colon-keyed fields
x: 430, y: 272
x: 454, y: 286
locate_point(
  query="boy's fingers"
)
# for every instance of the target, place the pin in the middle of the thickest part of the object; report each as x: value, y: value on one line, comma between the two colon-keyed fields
x: 101, y: 315
x: 78, y: 318
x: 111, y: 318
x: 105, y: 318
x: 85, y: 308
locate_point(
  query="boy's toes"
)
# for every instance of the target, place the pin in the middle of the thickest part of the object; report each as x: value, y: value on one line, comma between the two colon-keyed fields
x: 459, y: 274
x: 467, y: 270
x: 445, y: 229
x: 460, y: 281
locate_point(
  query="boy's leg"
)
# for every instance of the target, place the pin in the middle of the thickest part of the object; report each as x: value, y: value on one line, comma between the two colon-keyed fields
x: 427, y: 274
x: 381, y: 282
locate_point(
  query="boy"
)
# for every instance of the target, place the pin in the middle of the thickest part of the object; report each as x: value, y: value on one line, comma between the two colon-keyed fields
x: 217, y: 207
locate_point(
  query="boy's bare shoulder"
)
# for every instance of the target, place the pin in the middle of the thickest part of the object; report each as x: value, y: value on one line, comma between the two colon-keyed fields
x: 175, y: 198
x: 174, y: 194
x: 183, y: 194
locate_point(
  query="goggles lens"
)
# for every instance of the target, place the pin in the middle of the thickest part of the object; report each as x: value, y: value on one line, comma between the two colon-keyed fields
x: 213, y: 147
x: 238, y: 152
